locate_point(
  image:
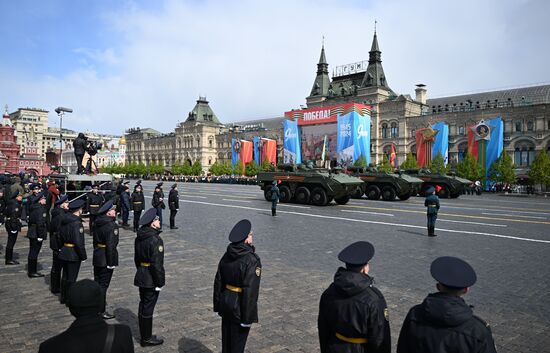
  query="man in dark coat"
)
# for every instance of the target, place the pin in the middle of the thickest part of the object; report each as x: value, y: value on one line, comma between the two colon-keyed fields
x: 13, y: 224
x: 37, y: 229
x: 237, y: 287
x: 158, y: 201
x: 138, y: 204
x: 275, y: 194
x: 94, y: 200
x: 105, y: 250
x: 444, y: 323
x: 73, y: 251
x: 125, y: 205
x: 432, y: 204
x: 173, y: 205
x: 353, y: 315
x: 89, y: 333
x: 150, y: 276
x: 79, y: 145
x: 61, y: 208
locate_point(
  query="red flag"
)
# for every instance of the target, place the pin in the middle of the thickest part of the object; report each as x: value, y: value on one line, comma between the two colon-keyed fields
x: 246, y: 151
x: 269, y: 150
x: 392, y: 155
x: 472, y: 143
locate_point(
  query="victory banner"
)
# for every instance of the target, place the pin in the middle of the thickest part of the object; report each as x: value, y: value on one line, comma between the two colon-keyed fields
x: 486, y: 141
x: 430, y: 141
x: 292, y: 153
x: 257, y: 150
x: 353, y: 138
x: 441, y: 142
x: 235, y: 151
x: 246, y: 151
x: 269, y: 150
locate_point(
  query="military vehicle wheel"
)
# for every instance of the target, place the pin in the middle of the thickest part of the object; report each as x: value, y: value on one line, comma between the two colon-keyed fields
x: 285, y: 194
x: 319, y: 197
x: 302, y: 195
x: 388, y: 193
x: 404, y: 197
x: 373, y: 192
x: 343, y: 200
x: 357, y: 193
x: 267, y: 195
x: 444, y: 192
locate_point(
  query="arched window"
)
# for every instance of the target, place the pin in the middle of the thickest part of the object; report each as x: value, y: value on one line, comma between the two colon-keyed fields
x: 518, y: 126
x: 530, y: 125
x: 385, y: 130
x: 413, y: 150
x: 461, y: 130
x: 413, y: 133
x: 394, y: 130
x: 524, y: 154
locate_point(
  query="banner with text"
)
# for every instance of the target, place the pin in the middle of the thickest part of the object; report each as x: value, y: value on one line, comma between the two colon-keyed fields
x: 353, y: 131
x: 292, y: 153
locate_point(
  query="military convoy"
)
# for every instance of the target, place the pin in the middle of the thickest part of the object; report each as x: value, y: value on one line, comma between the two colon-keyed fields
x: 451, y: 186
x: 378, y: 184
x: 305, y: 185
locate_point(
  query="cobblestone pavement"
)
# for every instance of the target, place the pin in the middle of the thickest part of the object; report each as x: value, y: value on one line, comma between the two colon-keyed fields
x: 506, y: 240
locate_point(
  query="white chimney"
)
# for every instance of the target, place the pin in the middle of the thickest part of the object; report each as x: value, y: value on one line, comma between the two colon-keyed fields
x: 421, y: 93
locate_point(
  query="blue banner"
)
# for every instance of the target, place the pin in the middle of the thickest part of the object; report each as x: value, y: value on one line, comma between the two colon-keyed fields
x: 495, y: 143
x: 235, y: 149
x: 257, y: 150
x: 361, y: 145
x: 441, y: 143
x: 292, y: 152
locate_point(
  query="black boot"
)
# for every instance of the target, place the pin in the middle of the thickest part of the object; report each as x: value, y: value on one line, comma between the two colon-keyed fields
x: 433, y: 231
x: 9, y: 258
x: 31, y: 269
x: 146, y: 330
x: 273, y: 212
x: 64, y: 290
x: 54, y: 281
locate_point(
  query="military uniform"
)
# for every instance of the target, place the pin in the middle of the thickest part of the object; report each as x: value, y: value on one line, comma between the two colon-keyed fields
x: 138, y: 205
x: 13, y: 225
x: 173, y: 205
x: 94, y: 200
x: 236, y: 289
x: 73, y: 251
x: 275, y: 194
x: 37, y: 230
x: 55, y: 243
x: 150, y: 276
x: 444, y: 323
x: 432, y: 204
x: 125, y: 206
x: 105, y: 251
x: 158, y: 201
x: 353, y: 314
x: 89, y: 333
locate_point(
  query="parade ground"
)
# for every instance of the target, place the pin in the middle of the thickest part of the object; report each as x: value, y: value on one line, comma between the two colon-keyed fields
x: 506, y: 239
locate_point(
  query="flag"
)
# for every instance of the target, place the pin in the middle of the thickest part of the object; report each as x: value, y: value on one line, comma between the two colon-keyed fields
x: 392, y: 155
x: 246, y: 151
x: 269, y: 150
x: 257, y: 151
x: 324, y: 149
x: 292, y: 152
x: 486, y: 141
x: 235, y: 151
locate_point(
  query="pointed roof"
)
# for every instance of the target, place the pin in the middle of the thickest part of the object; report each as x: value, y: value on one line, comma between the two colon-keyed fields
x: 202, y: 113
x: 374, y: 76
x: 322, y: 81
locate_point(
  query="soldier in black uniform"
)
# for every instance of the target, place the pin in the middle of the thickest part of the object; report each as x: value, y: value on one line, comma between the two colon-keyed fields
x: 150, y: 277
x: 138, y: 204
x: 105, y: 250
x: 61, y: 208
x: 94, y: 201
x: 173, y: 205
x: 125, y: 205
x: 37, y: 229
x: 73, y: 251
x: 353, y: 315
x: 89, y: 333
x: 444, y: 323
x: 158, y: 201
x: 237, y: 287
x: 13, y: 224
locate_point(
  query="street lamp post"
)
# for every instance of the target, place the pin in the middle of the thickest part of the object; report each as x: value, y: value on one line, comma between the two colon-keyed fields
x: 60, y: 112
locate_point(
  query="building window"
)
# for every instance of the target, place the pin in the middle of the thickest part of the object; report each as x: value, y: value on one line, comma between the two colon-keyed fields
x: 518, y: 126
x: 384, y: 130
x: 530, y: 125
x: 394, y: 130
x: 462, y: 151
x: 524, y: 155
x: 461, y: 130
x: 413, y: 133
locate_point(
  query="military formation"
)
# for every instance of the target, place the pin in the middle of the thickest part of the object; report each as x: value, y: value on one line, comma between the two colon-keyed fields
x: 353, y: 314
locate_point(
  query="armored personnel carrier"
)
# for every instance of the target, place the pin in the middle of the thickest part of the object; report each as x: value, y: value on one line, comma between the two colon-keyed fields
x: 378, y: 184
x: 305, y: 185
x: 451, y: 186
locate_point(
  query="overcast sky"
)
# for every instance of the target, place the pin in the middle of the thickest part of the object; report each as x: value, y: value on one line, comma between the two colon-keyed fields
x: 122, y: 64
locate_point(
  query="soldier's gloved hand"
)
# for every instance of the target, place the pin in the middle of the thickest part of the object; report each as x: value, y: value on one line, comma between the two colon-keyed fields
x: 39, y: 239
x: 111, y: 267
x: 158, y: 289
x: 246, y: 325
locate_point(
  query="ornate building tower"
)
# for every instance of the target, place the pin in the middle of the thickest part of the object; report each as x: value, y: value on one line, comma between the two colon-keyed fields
x: 9, y: 149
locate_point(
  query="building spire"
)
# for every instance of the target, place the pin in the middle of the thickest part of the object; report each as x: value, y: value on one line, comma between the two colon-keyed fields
x: 322, y: 81
x: 374, y: 76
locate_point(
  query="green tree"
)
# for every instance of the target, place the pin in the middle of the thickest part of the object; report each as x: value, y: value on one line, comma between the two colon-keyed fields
x: 539, y: 171
x: 470, y: 169
x: 266, y: 166
x: 238, y: 169
x: 215, y: 168
x: 361, y: 161
x: 196, y: 168
x: 226, y: 168
x: 410, y: 162
x: 384, y: 165
x: 176, y: 167
x: 502, y: 169
x: 438, y: 164
x: 251, y: 168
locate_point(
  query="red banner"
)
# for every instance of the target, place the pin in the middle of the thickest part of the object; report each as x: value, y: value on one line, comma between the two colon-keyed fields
x: 472, y: 143
x: 393, y: 155
x: 269, y: 150
x: 246, y: 151
x: 421, y: 150
x: 328, y: 114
